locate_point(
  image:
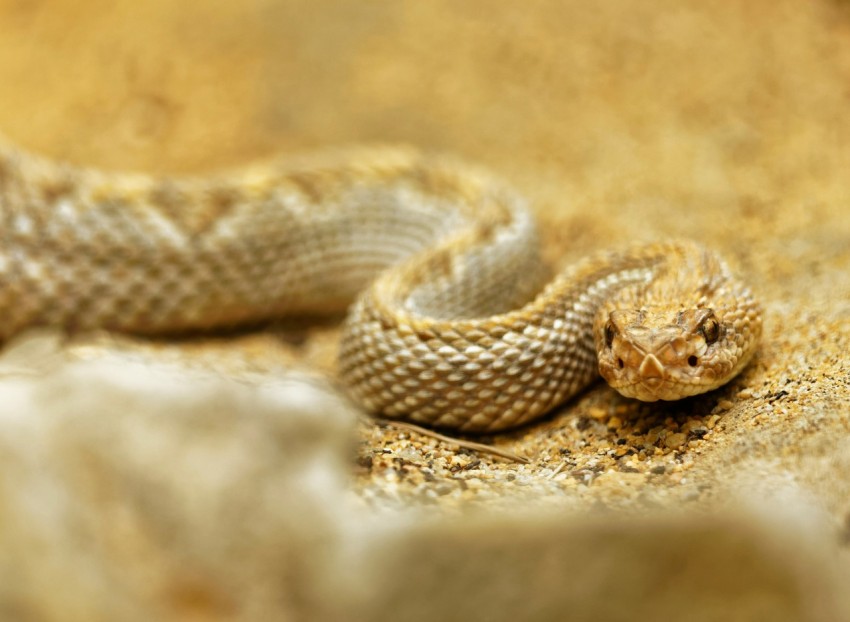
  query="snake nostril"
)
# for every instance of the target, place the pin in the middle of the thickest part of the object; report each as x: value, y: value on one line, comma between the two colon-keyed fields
x: 620, y: 363
x: 693, y: 360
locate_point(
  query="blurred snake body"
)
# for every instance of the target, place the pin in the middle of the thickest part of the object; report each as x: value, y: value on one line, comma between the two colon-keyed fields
x: 451, y: 324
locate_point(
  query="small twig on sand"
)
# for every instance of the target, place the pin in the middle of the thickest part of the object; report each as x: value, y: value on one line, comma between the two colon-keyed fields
x: 403, y: 425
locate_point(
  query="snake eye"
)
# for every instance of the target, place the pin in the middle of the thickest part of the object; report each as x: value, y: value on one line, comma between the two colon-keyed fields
x: 609, y: 333
x: 710, y: 330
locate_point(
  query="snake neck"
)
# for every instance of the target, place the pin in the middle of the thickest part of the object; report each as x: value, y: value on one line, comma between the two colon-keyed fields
x: 491, y: 372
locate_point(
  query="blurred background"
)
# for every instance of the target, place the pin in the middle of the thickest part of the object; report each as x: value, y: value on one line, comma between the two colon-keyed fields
x: 683, y: 117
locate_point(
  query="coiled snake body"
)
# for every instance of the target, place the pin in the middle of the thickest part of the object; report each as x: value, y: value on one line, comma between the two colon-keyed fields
x: 450, y: 326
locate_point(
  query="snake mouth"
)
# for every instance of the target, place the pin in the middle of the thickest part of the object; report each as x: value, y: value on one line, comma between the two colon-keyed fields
x: 653, y: 380
x: 659, y: 389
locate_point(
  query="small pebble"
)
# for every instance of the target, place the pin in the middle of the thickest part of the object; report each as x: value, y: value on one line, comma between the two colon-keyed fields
x: 675, y: 440
x: 653, y: 435
x: 692, y: 424
x: 597, y: 413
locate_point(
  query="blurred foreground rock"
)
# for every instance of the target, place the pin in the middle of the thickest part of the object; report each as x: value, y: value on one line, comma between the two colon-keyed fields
x: 137, y: 490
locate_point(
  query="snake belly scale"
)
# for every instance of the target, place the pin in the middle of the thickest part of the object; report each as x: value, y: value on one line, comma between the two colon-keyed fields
x: 451, y: 324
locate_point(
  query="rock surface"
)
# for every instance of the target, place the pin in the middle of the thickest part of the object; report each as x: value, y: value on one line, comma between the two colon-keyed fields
x: 207, y: 480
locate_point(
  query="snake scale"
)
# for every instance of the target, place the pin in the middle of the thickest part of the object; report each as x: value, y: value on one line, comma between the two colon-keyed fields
x: 451, y: 324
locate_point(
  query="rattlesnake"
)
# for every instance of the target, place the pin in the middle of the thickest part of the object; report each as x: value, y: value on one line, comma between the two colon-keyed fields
x: 451, y: 325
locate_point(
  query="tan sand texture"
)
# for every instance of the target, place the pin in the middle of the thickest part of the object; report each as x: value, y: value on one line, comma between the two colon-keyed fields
x: 207, y: 480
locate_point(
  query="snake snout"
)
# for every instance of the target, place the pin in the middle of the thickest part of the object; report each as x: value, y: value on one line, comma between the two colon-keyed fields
x: 651, y: 368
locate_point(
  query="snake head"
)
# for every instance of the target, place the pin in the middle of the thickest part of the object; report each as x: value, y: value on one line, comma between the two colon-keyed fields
x: 655, y: 354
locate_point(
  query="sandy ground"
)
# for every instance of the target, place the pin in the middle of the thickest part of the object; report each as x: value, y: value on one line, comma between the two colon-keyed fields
x: 721, y: 122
